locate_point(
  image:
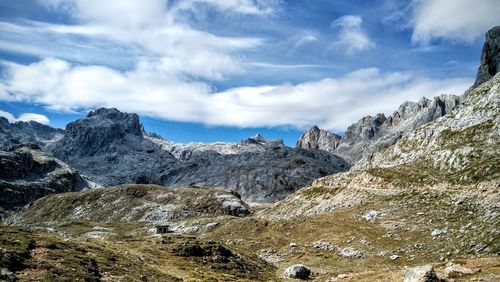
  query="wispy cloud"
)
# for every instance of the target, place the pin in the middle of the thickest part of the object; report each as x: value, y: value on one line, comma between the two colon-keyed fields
x: 351, y: 38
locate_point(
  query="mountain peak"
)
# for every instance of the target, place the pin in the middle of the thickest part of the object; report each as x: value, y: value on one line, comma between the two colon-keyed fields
x: 316, y: 138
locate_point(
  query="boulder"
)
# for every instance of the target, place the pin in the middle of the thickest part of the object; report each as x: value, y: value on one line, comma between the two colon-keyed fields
x: 298, y: 271
x: 423, y: 273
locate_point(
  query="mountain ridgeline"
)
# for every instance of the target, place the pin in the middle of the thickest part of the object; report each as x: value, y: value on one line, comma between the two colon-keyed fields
x: 372, y: 134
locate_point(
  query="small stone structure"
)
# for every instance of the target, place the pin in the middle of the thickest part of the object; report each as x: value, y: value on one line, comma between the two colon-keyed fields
x: 162, y: 229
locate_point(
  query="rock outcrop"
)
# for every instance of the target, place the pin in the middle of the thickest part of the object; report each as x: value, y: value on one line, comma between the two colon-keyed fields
x: 111, y: 148
x: 132, y: 203
x: 26, y: 174
x: 490, y: 57
x: 21, y: 132
x: 316, y: 138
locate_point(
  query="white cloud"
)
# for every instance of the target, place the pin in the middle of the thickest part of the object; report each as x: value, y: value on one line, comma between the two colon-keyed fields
x: 351, y: 38
x: 332, y: 103
x: 148, y: 32
x: 459, y: 20
x: 25, y: 117
x: 7, y: 115
x: 34, y: 117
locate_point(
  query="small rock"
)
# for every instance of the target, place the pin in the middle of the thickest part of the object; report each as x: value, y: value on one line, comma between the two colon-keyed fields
x: 298, y: 271
x: 437, y: 232
x: 342, y: 276
x: 371, y: 215
x: 350, y: 252
x: 420, y: 274
x: 294, y: 245
x: 394, y: 257
x: 7, y: 275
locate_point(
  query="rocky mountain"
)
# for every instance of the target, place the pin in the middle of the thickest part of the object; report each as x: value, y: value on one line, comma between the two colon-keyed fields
x: 110, y: 148
x: 26, y: 132
x: 490, y: 57
x: 464, y: 145
x: 26, y: 174
x: 372, y: 134
x: 316, y: 138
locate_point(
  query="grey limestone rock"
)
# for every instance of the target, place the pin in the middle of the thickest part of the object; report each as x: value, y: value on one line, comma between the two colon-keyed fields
x: 490, y: 57
x: 420, y: 274
x: 298, y: 271
x: 316, y: 138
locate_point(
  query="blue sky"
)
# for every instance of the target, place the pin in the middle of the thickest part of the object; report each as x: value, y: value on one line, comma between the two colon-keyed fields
x: 222, y: 70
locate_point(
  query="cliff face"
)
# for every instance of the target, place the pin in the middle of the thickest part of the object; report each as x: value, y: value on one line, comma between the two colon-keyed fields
x: 490, y: 57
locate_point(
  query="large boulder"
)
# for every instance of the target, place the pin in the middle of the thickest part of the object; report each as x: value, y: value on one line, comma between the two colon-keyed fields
x: 423, y: 273
x: 298, y: 271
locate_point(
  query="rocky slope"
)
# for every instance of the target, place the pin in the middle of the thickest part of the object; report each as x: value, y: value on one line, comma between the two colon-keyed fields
x: 26, y: 174
x: 110, y: 148
x: 464, y: 146
x: 26, y: 132
x: 372, y: 134
x: 132, y: 203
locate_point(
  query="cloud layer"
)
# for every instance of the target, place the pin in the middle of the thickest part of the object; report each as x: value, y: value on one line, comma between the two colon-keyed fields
x: 332, y: 103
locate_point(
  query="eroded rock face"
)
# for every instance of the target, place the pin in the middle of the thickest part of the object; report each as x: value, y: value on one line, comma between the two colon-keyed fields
x: 316, y: 138
x: 26, y: 174
x: 490, y: 57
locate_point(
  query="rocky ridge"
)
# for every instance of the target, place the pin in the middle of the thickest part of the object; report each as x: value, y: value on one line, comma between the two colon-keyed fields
x: 132, y: 203
x: 372, y: 134
x: 26, y: 174
x: 27, y: 132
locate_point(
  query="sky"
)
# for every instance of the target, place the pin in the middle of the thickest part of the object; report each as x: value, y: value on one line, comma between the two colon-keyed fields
x: 223, y: 70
